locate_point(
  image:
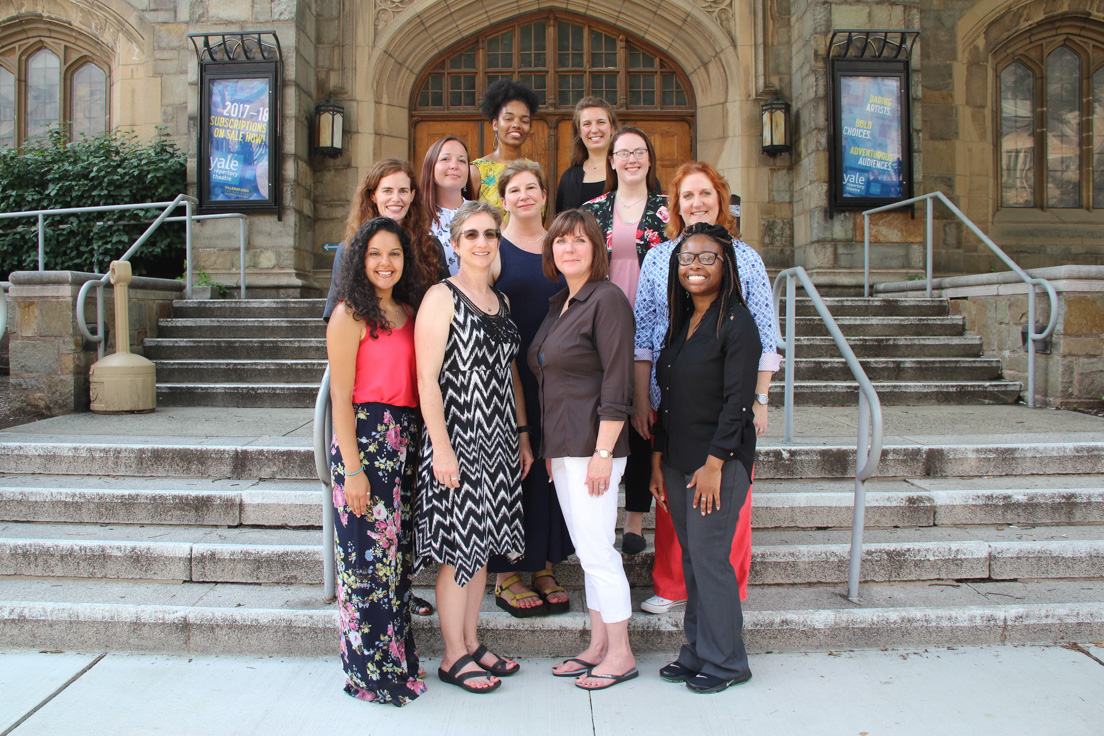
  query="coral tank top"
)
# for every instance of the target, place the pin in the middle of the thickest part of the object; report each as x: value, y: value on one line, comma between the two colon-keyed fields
x: 385, y: 369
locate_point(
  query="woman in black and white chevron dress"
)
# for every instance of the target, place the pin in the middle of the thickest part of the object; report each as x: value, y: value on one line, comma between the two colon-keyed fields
x: 475, y: 444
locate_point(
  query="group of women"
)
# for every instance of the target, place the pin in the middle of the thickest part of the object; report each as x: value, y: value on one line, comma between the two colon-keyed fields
x: 494, y: 382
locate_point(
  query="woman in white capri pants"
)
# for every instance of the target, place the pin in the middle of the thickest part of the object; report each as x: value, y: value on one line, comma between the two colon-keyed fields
x: 582, y: 357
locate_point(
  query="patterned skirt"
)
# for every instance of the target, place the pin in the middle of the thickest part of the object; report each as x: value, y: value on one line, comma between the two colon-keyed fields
x: 374, y: 559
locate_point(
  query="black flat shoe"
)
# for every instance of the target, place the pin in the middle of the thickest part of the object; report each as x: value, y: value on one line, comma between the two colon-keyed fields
x: 703, y: 683
x: 633, y: 544
x: 676, y: 672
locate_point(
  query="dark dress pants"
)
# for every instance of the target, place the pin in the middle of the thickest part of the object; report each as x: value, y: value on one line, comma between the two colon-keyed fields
x: 714, y: 621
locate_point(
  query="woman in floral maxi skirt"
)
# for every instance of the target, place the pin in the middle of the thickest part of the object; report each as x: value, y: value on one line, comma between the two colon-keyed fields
x: 370, y: 343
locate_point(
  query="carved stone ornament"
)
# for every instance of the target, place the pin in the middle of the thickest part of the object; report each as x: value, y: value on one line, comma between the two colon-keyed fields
x: 386, y: 10
x: 721, y: 13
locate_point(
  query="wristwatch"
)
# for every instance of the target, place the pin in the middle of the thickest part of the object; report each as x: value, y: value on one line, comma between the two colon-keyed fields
x: 762, y: 399
x: 604, y: 454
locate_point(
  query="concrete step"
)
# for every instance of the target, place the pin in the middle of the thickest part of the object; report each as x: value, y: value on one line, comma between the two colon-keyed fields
x: 888, y: 369
x: 796, y: 557
x: 241, y: 327
x: 253, y: 394
x: 252, y: 308
x: 846, y: 393
x: 240, y: 348
x: 246, y: 371
x: 776, y: 504
x: 868, y: 307
x: 960, y: 346
x: 289, y: 620
x: 879, y: 326
x: 293, y: 457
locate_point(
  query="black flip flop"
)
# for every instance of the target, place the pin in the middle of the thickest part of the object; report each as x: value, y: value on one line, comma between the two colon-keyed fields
x: 460, y: 680
x: 611, y: 680
x: 499, y: 668
x: 584, y: 668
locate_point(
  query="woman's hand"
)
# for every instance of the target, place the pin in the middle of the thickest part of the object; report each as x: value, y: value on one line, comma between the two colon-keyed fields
x: 659, y: 488
x: 706, y: 483
x: 446, y: 468
x: 357, y: 492
x: 643, y: 417
x: 599, y: 470
x: 526, y: 451
x: 759, y: 411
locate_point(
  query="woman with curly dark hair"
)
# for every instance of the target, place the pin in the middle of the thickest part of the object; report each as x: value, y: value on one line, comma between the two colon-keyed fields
x: 510, y: 106
x: 388, y: 190
x: 374, y: 388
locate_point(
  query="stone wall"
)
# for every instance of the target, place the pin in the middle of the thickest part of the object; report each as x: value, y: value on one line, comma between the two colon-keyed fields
x: 831, y: 247
x: 995, y: 307
x: 49, y: 359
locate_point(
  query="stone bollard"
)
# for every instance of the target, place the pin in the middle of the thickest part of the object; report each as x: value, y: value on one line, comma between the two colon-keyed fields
x: 122, y: 382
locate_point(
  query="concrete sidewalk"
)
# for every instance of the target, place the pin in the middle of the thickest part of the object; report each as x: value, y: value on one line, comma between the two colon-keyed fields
x: 1002, y: 691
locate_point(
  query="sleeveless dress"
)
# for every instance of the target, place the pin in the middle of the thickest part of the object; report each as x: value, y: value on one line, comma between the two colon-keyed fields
x: 546, y: 537
x: 464, y: 526
x: 374, y: 552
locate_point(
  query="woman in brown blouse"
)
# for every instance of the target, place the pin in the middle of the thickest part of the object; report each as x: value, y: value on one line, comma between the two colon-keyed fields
x: 582, y: 357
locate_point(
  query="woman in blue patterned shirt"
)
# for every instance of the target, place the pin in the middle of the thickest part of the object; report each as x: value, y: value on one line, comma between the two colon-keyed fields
x: 698, y: 193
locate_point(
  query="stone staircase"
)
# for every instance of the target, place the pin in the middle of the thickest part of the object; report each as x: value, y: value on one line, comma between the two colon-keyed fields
x: 271, y: 353
x: 242, y: 353
x: 211, y: 544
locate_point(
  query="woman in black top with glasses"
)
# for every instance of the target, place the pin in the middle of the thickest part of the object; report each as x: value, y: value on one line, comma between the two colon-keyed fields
x: 705, y: 448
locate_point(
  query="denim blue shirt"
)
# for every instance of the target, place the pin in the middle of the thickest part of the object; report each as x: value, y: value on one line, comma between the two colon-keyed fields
x: 651, y: 305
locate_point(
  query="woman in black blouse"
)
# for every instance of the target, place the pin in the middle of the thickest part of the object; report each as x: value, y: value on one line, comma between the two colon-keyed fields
x: 591, y: 127
x: 705, y: 447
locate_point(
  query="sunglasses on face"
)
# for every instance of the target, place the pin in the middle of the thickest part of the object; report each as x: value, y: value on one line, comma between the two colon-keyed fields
x: 705, y: 258
x: 473, y: 235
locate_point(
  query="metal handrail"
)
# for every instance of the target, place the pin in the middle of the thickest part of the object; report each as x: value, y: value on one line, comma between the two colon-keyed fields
x: 868, y: 448
x: 98, y: 338
x: 188, y: 217
x: 323, y: 437
x: 1031, y: 281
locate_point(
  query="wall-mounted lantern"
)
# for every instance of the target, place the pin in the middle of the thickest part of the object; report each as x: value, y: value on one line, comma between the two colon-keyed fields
x: 776, y: 124
x: 329, y: 117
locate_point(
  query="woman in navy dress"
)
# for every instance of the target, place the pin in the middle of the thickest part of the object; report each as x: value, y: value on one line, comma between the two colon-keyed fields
x: 518, y: 275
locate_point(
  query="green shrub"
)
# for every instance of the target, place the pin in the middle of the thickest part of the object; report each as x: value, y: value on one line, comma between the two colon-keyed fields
x: 113, y: 168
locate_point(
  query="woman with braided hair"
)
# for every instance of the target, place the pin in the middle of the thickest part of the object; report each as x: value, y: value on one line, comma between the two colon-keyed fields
x: 705, y: 447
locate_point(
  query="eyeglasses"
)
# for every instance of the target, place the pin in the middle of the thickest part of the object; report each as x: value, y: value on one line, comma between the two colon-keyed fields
x: 640, y: 154
x: 473, y: 235
x: 705, y: 258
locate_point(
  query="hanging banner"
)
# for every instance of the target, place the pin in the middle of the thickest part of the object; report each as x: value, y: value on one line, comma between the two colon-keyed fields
x: 871, y: 134
x: 871, y: 161
x: 239, y: 140
x: 240, y: 77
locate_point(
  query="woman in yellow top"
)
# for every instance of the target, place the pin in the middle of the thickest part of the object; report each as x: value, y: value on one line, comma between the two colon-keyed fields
x: 510, y: 106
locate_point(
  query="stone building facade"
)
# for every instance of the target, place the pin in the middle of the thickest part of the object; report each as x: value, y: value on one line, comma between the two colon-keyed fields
x: 987, y: 82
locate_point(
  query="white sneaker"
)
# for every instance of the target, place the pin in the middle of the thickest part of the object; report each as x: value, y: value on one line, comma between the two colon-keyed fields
x: 659, y: 604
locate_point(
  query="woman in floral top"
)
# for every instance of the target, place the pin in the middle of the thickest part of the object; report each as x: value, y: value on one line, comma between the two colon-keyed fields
x: 374, y: 387
x: 445, y: 184
x: 632, y: 214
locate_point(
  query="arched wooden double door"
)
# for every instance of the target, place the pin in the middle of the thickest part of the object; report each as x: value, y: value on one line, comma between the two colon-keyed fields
x: 563, y: 57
